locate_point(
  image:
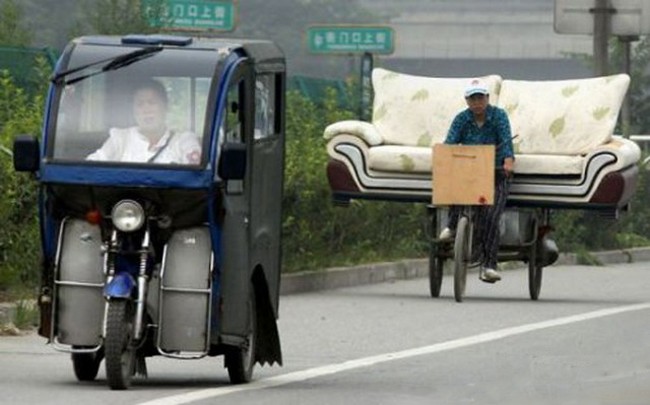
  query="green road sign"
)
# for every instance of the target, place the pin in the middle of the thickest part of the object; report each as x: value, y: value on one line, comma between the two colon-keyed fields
x: 195, y: 15
x: 351, y: 39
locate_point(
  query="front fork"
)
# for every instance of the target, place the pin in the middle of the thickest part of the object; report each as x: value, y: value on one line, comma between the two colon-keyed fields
x: 120, y: 285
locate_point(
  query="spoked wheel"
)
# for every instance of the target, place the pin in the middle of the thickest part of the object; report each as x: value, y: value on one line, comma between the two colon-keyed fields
x: 240, y: 361
x: 120, y: 353
x: 436, y: 266
x: 86, y: 365
x: 534, y: 273
x: 461, y: 257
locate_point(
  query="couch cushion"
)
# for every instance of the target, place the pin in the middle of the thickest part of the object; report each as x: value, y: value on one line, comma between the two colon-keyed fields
x: 564, y: 117
x: 414, y: 159
x: 416, y: 110
x: 403, y: 159
x: 549, y: 164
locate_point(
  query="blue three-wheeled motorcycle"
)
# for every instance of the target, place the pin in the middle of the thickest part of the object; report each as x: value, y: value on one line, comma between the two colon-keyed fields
x: 160, y: 170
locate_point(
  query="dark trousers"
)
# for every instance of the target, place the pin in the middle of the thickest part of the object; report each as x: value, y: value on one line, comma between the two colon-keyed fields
x: 486, y: 222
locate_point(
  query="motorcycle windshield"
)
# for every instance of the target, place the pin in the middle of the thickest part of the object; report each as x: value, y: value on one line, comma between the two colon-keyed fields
x: 152, y: 112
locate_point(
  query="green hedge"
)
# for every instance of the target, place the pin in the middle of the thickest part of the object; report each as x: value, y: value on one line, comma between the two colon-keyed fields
x: 20, y: 113
x: 316, y: 233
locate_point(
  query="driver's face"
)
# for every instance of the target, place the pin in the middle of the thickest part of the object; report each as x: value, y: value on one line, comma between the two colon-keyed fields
x: 149, y: 110
x: 477, y: 103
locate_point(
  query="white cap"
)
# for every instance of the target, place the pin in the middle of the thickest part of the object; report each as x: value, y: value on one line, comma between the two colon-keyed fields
x: 476, y: 86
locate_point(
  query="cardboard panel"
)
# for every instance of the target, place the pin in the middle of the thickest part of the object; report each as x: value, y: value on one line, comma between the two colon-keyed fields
x: 463, y: 174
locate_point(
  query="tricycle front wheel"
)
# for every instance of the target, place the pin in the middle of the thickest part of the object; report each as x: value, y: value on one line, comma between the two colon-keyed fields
x: 119, y: 350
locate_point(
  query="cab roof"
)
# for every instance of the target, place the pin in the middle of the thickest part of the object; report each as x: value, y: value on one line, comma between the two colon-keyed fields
x: 262, y: 51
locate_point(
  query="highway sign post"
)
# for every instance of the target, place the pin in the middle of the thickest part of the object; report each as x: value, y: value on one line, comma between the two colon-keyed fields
x: 626, y: 19
x: 326, y: 39
x: 364, y: 40
x: 191, y: 15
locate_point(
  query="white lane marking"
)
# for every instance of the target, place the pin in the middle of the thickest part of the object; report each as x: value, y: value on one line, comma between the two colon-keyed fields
x: 315, y: 372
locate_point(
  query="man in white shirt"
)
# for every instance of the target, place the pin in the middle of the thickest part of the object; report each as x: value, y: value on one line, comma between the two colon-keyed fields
x: 150, y: 141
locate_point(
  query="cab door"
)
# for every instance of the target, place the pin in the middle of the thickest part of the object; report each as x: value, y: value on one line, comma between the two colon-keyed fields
x: 235, y: 243
x: 254, y: 117
x: 267, y: 178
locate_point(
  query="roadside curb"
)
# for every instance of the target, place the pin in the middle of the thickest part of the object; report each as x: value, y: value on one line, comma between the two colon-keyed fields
x: 340, y: 277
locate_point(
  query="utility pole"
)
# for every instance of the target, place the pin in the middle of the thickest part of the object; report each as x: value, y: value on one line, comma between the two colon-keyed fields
x: 602, y: 12
x: 627, y: 68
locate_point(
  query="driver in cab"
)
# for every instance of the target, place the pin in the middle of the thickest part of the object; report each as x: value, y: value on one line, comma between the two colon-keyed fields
x: 150, y: 140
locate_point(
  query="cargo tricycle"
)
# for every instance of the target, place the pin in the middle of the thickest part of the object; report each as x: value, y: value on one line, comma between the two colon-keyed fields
x: 161, y: 235
x: 464, y: 177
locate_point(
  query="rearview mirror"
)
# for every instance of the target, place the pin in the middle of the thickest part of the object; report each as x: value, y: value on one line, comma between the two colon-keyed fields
x: 26, y: 153
x: 232, y: 162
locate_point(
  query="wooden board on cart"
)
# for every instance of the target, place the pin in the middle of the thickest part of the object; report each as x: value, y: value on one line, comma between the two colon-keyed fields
x: 463, y: 175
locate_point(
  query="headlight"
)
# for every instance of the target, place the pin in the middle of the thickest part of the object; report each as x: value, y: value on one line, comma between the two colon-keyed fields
x: 127, y: 216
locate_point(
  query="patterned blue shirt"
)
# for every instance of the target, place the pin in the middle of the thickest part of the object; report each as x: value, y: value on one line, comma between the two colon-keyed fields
x: 495, y: 131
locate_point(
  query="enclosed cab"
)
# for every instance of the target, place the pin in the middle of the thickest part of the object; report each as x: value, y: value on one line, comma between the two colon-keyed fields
x: 182, y: 229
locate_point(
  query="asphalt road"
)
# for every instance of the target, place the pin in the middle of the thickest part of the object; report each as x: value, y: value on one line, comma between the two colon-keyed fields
x: 586, y: 341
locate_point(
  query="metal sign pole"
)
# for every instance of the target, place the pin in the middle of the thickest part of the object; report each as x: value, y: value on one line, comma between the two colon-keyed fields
x: 627, y: 68
x: 365, y: 85
x: 602, y: 27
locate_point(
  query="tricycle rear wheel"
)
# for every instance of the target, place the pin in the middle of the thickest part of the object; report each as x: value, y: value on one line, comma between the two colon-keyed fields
x: 240, y: 361
x: 461, y: 253
x: 436, y: 266
x: 86, y: 365
x: 534, y: 273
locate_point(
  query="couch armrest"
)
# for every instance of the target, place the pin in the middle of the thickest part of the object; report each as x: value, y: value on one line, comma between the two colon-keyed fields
x: 361, y: 129
x: 627, y: 151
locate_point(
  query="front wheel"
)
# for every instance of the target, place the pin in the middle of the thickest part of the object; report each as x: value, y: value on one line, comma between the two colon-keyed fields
x: 240, y: 361
x: 461, y: 257
x: 119, y: 350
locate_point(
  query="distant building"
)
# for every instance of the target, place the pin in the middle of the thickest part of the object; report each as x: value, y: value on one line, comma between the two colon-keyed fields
x: 513, y: 38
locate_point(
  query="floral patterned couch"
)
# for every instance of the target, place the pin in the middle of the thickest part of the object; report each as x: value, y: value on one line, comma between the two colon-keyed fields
x: 566, y: 155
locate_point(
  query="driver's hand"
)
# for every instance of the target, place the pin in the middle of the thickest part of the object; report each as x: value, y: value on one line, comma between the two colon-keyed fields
x: 508, y: 165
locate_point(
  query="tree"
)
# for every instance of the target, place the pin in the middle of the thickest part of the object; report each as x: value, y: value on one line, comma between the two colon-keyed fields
x: 640, y: 85
x: 119, y: 17
x: 12, y: 31
x: 639, y: 90
x: 20, y: 113
x: 286, y: 22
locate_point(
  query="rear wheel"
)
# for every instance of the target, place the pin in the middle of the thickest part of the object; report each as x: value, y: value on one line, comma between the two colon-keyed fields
x: 461, y: 257
x: 120, y: 353
x: 534, y: 273
x: 240, y: 361
x: 436, y: 266
x: 86, y: 365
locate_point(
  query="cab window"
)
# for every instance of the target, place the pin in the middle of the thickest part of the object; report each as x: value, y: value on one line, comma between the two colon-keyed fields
x: 104, y: 118
x: 264, y: 106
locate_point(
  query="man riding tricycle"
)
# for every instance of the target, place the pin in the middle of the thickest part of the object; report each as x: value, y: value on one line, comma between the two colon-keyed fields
x: 160, y: 171
x: 472, y: 173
